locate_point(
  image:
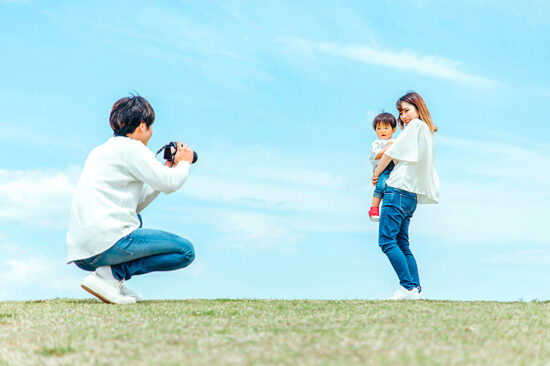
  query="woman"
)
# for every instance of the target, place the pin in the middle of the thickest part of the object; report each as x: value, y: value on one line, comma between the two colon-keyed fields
x: 413, y: 180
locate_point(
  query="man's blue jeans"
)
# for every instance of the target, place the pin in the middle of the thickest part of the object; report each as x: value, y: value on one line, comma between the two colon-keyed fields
x: 143, y: 251
x: 381, y: 184
x: 393, y: 234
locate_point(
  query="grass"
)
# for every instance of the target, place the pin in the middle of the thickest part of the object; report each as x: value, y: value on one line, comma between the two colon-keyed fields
x: 258, y: 332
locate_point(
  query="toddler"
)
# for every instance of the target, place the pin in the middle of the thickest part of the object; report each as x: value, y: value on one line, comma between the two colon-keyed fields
x: 384, y: 124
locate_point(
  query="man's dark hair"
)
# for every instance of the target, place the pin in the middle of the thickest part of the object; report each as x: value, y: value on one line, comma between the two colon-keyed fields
x: 127, y: 114
x: 384, y: 118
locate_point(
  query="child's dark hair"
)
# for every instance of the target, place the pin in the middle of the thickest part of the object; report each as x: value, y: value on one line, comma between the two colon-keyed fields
x: 127, y: 114
x: 384, y: 118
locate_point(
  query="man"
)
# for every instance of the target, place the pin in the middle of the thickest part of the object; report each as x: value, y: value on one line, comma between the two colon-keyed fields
x: 120, y: 178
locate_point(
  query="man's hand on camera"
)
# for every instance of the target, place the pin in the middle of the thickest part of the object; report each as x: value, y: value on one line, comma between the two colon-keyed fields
x: 184, y: 154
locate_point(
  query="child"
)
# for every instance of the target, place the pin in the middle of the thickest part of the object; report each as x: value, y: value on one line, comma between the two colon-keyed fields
x: 384, y: 124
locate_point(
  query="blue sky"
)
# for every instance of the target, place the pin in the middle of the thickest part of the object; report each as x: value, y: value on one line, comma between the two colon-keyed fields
x: 278, y: 98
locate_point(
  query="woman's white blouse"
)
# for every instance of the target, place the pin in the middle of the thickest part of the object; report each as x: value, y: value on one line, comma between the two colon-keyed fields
x: 413, y: 153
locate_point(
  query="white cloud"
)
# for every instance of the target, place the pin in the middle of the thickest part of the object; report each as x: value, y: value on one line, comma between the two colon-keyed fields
x: 37, y: 197
x: 254, y: 231
x: 274, y: 180
x: 492, y: 192
x: 29, y: 274
x: 405, y: 60
x: 272, y: 200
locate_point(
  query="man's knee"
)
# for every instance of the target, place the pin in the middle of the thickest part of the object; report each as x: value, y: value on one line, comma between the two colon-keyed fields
x: 187, y: 250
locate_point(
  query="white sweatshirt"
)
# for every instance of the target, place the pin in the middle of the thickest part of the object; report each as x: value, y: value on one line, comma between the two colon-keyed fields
x: 413, y: 152
x: 110, y: 193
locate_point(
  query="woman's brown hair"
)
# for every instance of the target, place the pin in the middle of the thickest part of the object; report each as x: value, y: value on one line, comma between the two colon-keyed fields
x: 416, y: 100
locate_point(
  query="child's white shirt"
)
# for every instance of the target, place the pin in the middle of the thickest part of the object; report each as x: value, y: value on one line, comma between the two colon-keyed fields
x: 377, y: 146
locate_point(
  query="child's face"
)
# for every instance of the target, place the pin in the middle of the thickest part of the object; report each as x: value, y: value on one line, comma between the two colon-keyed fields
x: 384, y: 131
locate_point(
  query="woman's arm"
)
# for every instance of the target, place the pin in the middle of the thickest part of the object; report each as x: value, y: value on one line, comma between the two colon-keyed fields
x: 384, y: 162
x: 381, y: 153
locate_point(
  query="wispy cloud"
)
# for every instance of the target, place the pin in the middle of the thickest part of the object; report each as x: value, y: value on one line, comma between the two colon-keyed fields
x: 405, y: 60
x: 522, y: 257
x: 252, y: 231
x: 478, y: 195
x: 19, y: 132
x: 20, y: 2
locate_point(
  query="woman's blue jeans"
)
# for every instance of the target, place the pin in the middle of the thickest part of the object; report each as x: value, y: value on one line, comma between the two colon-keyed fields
x: 393, y: 234
x: 143, y: 251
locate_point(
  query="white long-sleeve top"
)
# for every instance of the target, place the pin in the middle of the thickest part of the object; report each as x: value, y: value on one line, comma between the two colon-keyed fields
x: 110, y: 193
x: 413, y: 152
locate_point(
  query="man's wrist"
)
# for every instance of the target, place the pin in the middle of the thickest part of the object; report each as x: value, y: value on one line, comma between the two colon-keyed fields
x: 184, y: 163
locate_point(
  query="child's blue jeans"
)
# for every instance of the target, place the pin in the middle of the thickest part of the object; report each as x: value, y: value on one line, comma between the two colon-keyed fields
x: 143, y: 251
x: 381, y: 185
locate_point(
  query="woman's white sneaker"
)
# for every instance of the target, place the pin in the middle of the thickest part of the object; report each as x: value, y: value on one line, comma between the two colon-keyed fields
x: 108, y: 291
x: 403, y: 294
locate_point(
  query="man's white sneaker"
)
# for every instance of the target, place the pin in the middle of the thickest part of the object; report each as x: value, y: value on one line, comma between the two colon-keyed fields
x: 127, y: 292
x: 108, y: 291
x: 403, y: 294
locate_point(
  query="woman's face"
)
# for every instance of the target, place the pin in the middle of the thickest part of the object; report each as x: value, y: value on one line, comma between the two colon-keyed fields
x: 408, y: 112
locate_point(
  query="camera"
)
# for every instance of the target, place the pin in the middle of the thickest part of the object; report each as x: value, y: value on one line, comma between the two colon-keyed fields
x: 169, y: 155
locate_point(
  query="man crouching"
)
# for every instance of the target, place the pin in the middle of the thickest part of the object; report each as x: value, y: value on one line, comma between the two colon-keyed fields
x: 120, y: 178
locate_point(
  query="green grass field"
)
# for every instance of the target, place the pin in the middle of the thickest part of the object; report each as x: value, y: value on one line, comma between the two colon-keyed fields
x: 257, y: 332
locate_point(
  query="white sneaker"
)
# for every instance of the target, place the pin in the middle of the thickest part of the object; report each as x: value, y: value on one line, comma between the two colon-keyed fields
x: 108, y: 291
x: 127, y: 292
x: 403, y: 294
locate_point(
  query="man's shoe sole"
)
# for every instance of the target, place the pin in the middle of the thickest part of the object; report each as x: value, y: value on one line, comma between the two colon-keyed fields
x: 96, y: 295
x: 88, y: 284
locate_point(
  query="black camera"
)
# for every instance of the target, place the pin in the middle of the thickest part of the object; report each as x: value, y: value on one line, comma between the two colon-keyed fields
x: 169, y: 155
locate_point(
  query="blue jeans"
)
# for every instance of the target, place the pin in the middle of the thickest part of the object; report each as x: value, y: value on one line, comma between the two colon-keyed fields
x: 381, y: 184
x: 393, y: 235
x: 143, y: 251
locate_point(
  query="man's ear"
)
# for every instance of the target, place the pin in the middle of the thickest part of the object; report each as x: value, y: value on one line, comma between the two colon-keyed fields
x: 143, y: 126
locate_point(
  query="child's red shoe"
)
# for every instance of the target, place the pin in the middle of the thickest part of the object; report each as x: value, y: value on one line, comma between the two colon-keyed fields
x: 374, y: 214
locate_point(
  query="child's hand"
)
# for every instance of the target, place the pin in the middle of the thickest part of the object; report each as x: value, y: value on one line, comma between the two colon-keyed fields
x: 374, y: 179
